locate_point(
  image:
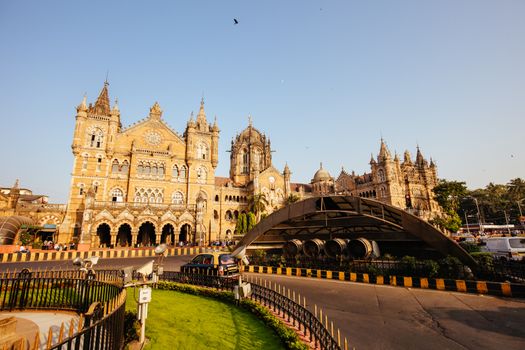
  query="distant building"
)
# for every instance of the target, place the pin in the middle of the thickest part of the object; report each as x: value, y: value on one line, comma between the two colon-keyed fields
x: 21, y: 202
x: 406, y: 184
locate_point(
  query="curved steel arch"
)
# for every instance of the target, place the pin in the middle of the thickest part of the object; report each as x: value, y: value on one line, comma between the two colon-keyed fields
x: 352, y: 217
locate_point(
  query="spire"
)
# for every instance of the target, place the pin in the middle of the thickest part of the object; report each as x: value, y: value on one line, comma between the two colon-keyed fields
x: 384, y: 153
x: 432, y: 164
x: 17, y: 184
x: 250, y: 124
x: 215, y: 127
x: 116, y: 109
x: 83, y: 105
x: 396, y: 158
x: 372, y: 160
x: 155, y: 112
x: 419, y: 157
x: 407, y: 158
x: 201, y: 117
x: 102, y: 104
x: 286, y: 169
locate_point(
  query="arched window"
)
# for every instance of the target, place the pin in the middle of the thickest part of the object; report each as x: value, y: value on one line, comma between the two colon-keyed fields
x: 182, y: 173
x: 154, y: 170
x: 202, y: 151
x: 125, y: 167
x: 383, y: 192
x: 216, y: 197
x: 147, y: 169
x: 117, y: 195
x: 381, y: 175
x: 161, y: 170
x: 229, y: 215
x: 95, y: 138
x: 245, y: 162
x: 177, y: 198
x: 140, y: 169
x: 175, y: 172
x: 114, y: 167
x: 202, y: 175
x: 81, y: 189
x: 99, y: 162
x: 85, y: 162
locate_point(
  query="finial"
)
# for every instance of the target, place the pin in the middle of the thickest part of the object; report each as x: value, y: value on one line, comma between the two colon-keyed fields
x: 17, y: 184
x: 202, y: 99
x: 249, y: 120
x: 320, y: 165
x: 106, y: 81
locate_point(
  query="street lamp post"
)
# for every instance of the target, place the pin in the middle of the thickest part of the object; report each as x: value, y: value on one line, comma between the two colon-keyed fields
x: 478, y: 213
x: 466, y: 221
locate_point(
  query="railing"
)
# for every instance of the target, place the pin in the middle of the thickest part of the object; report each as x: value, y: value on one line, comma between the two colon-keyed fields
x: 101, y: 305
x: 276, y: 300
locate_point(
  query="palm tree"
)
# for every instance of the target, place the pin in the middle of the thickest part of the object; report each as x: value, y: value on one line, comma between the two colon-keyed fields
x: 516, y: 189
x: 257, y: 204
x: 292, y: 198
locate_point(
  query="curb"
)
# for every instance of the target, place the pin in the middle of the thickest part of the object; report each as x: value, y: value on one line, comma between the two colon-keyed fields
x: 505, y: 289
x: 103, y: 254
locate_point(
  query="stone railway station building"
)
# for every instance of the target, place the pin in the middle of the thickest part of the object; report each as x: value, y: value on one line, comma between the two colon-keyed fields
x: 146, y: 184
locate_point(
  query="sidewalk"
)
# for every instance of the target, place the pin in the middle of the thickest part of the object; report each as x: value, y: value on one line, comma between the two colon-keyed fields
x: 31, y: 322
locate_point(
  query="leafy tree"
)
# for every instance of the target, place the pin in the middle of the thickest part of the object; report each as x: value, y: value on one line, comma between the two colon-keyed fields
x: 252, y: 221
x: 516, y: 189
x: 448, y: 194
x: 242, y: 224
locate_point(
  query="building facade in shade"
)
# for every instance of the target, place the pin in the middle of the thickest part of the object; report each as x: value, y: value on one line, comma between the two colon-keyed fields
x: 146, y: 184
x: 406, y: 184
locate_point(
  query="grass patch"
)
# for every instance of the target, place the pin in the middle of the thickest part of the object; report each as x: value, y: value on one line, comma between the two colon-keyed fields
x: 178, y: 320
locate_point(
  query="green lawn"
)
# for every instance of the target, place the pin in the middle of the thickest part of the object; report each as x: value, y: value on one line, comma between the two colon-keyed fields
x: 183, y: 321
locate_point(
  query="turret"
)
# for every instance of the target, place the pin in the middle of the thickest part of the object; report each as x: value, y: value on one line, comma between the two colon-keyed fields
x: 80, y: 119
x: 202, y: 123
x: 215, y: 144
x: 286, y: 174
x: 384, y: 153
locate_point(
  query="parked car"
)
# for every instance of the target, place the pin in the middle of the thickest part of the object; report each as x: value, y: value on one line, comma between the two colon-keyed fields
x: 505, y: 248
x: 213, y: 263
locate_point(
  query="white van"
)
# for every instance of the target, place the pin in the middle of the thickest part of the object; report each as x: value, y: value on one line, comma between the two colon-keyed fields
x: 506, y: 248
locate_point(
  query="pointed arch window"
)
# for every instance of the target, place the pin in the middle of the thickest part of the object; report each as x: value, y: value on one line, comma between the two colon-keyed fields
x: 202, y: 175
x: 114, y: 167
x: 182, y: 173
x: 177, y: 198
x: 245, y: 162
x: 202, y: 151
x: 175, y: 172
x: 381, y: 175
x: 95, y: 138
x: 125, y: 167
x: 117, y: 195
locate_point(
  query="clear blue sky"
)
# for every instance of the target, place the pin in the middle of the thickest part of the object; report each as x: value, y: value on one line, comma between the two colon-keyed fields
x: 323, y: 79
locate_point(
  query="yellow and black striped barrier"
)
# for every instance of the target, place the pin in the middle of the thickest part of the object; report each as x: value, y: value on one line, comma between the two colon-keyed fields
x: 466, y: 286
x: 52, y: 255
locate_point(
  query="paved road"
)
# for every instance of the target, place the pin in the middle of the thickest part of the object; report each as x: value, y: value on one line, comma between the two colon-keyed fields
x: 383, y: 317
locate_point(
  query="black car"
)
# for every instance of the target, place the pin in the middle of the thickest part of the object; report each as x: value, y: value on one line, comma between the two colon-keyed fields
x: 213, y: 264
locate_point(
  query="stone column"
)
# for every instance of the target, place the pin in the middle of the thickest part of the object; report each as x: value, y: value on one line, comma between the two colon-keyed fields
x: 134, y: 234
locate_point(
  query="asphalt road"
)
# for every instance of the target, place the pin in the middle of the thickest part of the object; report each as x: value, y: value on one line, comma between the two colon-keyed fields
x: 384, y: 317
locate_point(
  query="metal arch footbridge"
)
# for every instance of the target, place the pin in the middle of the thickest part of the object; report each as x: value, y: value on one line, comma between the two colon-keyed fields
x: 395, y: 230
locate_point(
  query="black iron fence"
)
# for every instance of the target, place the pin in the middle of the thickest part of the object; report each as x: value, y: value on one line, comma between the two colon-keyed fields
x: 101, y: 306
x: 285, y: 306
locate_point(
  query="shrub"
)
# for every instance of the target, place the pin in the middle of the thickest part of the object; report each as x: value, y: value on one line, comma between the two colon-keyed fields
x: 131, y: 327
x: 470, y: 247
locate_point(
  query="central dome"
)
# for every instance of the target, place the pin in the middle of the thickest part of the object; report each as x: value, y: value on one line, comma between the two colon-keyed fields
x: 321, y: 175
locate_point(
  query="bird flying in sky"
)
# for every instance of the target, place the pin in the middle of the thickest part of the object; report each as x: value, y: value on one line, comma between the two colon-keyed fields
x: 235, y: 21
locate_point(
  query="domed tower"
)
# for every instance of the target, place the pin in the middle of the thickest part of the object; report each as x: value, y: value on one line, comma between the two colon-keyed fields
x: 250, y: 155
x: 322, y: 183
